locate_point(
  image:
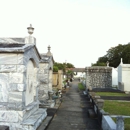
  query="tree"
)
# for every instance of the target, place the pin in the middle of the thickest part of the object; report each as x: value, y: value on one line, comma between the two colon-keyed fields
x: 59, y: 65
x: 68, y: 65
x: 69, y: 73
x: 101, y: 61
x: 55, y: 69
x: 114, y: 54
x: 63, y: 66
x: 126, y: 54
x: 99, y: 64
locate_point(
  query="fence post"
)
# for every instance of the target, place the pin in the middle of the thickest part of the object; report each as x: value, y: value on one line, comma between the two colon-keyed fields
x: 119, y: 123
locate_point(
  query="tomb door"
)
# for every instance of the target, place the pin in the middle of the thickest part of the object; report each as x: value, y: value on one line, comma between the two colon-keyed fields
x: 30, y: 83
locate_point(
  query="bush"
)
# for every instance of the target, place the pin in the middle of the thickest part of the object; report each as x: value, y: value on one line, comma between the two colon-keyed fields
x: 81, y: 87
x: 55, y: 69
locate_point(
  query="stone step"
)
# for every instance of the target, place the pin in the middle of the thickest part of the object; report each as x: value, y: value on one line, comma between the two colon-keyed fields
x: 48, y: 105
x: 92, y: 113
x: 45, y: 123
x: 84, y: 92
x: 4, y: 127
x: 35, y: 119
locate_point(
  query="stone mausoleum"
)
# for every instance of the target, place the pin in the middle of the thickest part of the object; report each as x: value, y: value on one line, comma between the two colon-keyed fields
x: 98, y: 77
x: 45, y: 76
x: 19, y: 104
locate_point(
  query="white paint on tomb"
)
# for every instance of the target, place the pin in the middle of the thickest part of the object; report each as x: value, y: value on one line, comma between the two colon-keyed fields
x: 4, y: 87
x: 30, y: 84
x: 114, y: 76
x: 8, y: 59
x: 8, y: 116
x: 18, y: 87
x: 123, y: 76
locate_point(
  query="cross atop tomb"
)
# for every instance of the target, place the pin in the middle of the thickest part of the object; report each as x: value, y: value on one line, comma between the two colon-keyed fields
x: 121, y: 61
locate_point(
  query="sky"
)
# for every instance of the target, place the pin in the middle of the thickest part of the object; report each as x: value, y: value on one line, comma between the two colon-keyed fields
x: 78, y: 31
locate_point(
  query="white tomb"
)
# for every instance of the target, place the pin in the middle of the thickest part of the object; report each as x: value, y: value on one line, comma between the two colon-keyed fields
x: 123, y: 76
x: 19, y: 104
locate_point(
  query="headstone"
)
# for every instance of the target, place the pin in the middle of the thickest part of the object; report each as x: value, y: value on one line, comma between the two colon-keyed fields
x: 19, y: 105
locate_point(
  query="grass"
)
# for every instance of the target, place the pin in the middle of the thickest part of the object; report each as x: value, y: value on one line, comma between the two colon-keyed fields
x: 118, y: 108
x: 111, y: 94
x: 80, y: 86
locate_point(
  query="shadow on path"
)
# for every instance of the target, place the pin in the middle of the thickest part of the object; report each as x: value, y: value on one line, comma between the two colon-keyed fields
x: 73, y: 112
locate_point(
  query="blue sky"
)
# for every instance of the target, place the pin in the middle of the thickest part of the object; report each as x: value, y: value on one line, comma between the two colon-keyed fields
x: 78, y: 31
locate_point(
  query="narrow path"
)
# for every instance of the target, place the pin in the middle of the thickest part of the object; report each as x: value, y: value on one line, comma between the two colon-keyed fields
x: 73, y: 112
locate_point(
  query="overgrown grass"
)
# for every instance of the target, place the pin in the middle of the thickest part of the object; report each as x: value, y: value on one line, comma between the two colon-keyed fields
x: 118, y: 108
x: 111, y: 94
x: 80, y: 86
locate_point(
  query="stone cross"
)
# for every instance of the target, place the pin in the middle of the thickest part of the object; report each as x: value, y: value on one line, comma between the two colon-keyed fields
x: 121, y: 61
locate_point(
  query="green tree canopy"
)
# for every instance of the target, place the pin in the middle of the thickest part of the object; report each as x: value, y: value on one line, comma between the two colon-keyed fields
x: 114, y: 55
x: 62, y: 66
x: 55, y: 69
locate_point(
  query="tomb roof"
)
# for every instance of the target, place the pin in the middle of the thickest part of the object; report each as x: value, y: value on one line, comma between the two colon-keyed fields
x: 13, y: 40
x: 46, y: 57
x: 15, y: 48
x: 125, y: 65
x: 98, y: 67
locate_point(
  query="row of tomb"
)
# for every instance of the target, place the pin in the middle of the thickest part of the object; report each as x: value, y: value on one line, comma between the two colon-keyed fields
x: 25, y: 81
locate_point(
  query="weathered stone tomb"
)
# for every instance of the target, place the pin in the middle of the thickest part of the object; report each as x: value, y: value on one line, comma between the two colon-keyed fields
x: 19, y: 105
x: 98, y: 77
x: 45, y: 76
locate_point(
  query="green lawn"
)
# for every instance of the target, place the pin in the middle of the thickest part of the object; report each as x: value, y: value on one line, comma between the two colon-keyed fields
x: 80, y: 86
x: 111, y: 94
x: 118, y: 108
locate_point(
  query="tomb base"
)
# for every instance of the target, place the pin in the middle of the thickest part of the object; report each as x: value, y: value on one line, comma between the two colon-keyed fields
x: 48, y: 104
x: 33, y: 122
x: 30, y: 123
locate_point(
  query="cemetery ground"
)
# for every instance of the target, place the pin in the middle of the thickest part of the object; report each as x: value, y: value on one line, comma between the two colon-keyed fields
x: 72, y: 114
x: 117, y: 103
x: 118, y: 108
